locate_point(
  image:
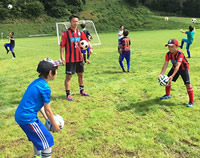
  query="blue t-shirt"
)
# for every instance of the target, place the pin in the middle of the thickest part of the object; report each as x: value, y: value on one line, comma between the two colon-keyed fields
x: 190, y: 35
x: 37, y: 93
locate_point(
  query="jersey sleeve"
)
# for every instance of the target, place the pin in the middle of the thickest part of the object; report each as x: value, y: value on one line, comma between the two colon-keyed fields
x: 46, y: 94
x: 167, y: 57
x: 83, y: 36
x: 63, y: 39
x: 180, y: 58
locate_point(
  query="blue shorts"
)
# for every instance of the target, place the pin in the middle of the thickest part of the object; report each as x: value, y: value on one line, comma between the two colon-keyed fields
x: 126, y: 55
x: 188, y: 44
x: 84, y: 51
x: 10, y: 47
x: 38, y: 134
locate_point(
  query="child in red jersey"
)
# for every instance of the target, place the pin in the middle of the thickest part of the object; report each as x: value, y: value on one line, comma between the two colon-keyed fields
x: 180, y: 67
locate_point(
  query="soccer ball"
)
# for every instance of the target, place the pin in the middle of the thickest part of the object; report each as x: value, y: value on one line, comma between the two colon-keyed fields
x: 194, y: 20
x: 10, y: 6
x: 84, y: 44
x: 163, y: 80
x: 59, y: 120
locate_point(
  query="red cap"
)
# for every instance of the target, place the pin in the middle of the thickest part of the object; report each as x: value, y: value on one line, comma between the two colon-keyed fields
x: 172, y: 42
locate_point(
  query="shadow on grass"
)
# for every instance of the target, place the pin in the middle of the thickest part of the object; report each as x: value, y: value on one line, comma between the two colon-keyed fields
x: 113, y: 72
x: 143, y: 107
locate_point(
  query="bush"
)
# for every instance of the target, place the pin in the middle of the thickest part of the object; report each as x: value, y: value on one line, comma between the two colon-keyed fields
x: 34, y: 9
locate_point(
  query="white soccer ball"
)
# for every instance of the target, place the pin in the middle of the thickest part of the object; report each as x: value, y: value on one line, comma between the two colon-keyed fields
x: 84, y: 44
x: 10, y: 6
x: 194, y: 20
x: 59, y: 120
x: 163, y: 80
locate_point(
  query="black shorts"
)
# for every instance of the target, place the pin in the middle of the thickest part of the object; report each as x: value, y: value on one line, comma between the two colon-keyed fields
x: 184, y: 74
x: 77, y: 67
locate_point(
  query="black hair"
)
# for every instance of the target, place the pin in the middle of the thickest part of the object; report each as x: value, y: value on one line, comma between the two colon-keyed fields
x: 73, y: 16
x: 125, y: 33
x: 12, y: 33
x: 191, y: 28
x: 82, y: 26
x: 121, y: 26
x: 45, y: 74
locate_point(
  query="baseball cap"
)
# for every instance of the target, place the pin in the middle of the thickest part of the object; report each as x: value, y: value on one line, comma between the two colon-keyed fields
x: 172, y: 42
x: 47, y: 64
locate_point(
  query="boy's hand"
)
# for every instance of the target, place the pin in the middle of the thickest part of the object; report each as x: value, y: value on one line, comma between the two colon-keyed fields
x: 171, y: 78
x: 56, y: 128
x: 159, y: 76
x: 91, y: 51
x: 181, y: 30
x: 63, y: 61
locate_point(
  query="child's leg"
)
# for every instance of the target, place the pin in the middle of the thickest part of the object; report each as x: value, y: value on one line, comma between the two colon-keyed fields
x: 84, y: 57
x: 182, y: 42
x: 168, y: 89
x: 190, y: 92
x: 88, y: 53
x: 188, y: 51
x: 36, y: 152
x: 128, y: 57
x: 12, y: 50
x: 6, y: 47
x: 121, y: 58
x: 46, y: 153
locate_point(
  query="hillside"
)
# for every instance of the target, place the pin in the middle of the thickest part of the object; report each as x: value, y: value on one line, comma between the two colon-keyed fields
x: 107, y: 16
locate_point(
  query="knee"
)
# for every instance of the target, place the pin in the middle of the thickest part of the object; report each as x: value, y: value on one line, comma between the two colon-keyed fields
x: 188, y: 85
x: 68, y: 77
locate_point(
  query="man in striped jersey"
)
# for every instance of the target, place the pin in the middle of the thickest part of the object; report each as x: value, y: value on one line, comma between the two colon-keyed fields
x: 37, y: 98
x: 180, y: 67
x: 70, y: 43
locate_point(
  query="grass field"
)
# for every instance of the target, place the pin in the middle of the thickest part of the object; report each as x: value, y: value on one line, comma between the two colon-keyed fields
x: 122, y: 117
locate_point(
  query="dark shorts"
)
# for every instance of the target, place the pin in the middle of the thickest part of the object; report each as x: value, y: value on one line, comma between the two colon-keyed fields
x: 72, y: 68
x: 184, y: 74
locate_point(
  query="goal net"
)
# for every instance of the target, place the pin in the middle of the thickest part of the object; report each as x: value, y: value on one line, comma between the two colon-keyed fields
x: 63, y: 26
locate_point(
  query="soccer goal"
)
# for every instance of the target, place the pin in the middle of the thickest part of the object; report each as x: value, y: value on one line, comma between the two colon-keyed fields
x: 63, y: 26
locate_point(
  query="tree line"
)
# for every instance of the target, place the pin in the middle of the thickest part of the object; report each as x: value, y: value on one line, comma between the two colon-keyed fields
x: 189, y: 8
x: 35, y: 8
x: 61, y: 8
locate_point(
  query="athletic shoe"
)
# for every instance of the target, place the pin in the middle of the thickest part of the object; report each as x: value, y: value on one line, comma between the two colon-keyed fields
x: 13, y: 58
x: 180, y: 47
x: 190, y: 104
x: 165, y: 96
x: 129, y: 71
x: 188, y: 57
x: 84, y: 94
x: 123, y: 70
x: 36, y: 156
x: 87, y: 61
x: 7, y: 51
x: 69, y: 98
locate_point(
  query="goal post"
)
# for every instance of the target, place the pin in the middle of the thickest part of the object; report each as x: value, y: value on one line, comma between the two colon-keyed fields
x: 63, y: 26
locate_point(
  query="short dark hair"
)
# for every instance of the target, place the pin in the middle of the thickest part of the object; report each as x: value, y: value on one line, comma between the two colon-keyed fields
x: 120, y: 26
x: 82, y: 26
x: 12, y: 33
x: 125, y: 33
x: 191, y: 28
x: 46, y: 73
x: 73, y: 16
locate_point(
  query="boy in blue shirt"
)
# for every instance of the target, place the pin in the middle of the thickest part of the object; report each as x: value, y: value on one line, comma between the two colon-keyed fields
x: 189, y: 39
x: 37, y: 98
x: 124, y: 51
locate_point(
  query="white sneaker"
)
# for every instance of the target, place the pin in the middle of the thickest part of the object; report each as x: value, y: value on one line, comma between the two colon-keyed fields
x: 13, y: 58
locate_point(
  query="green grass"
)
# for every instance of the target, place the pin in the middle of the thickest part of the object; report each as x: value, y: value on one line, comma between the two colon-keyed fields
x: 123, y: 117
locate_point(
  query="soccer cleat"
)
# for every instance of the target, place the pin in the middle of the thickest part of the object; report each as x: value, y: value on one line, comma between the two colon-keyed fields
x: 87, y: 61
x: 13, y: 58
x: 84, y: 93
x: 129, y: 71
x: 69, y: 98
x: 190, y: 104
x: 165, y: 96
x: 36, y: 156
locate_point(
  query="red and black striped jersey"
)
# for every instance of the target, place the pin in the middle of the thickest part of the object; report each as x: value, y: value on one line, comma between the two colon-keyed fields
x: 71, y: 41
x: 177, y: 57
